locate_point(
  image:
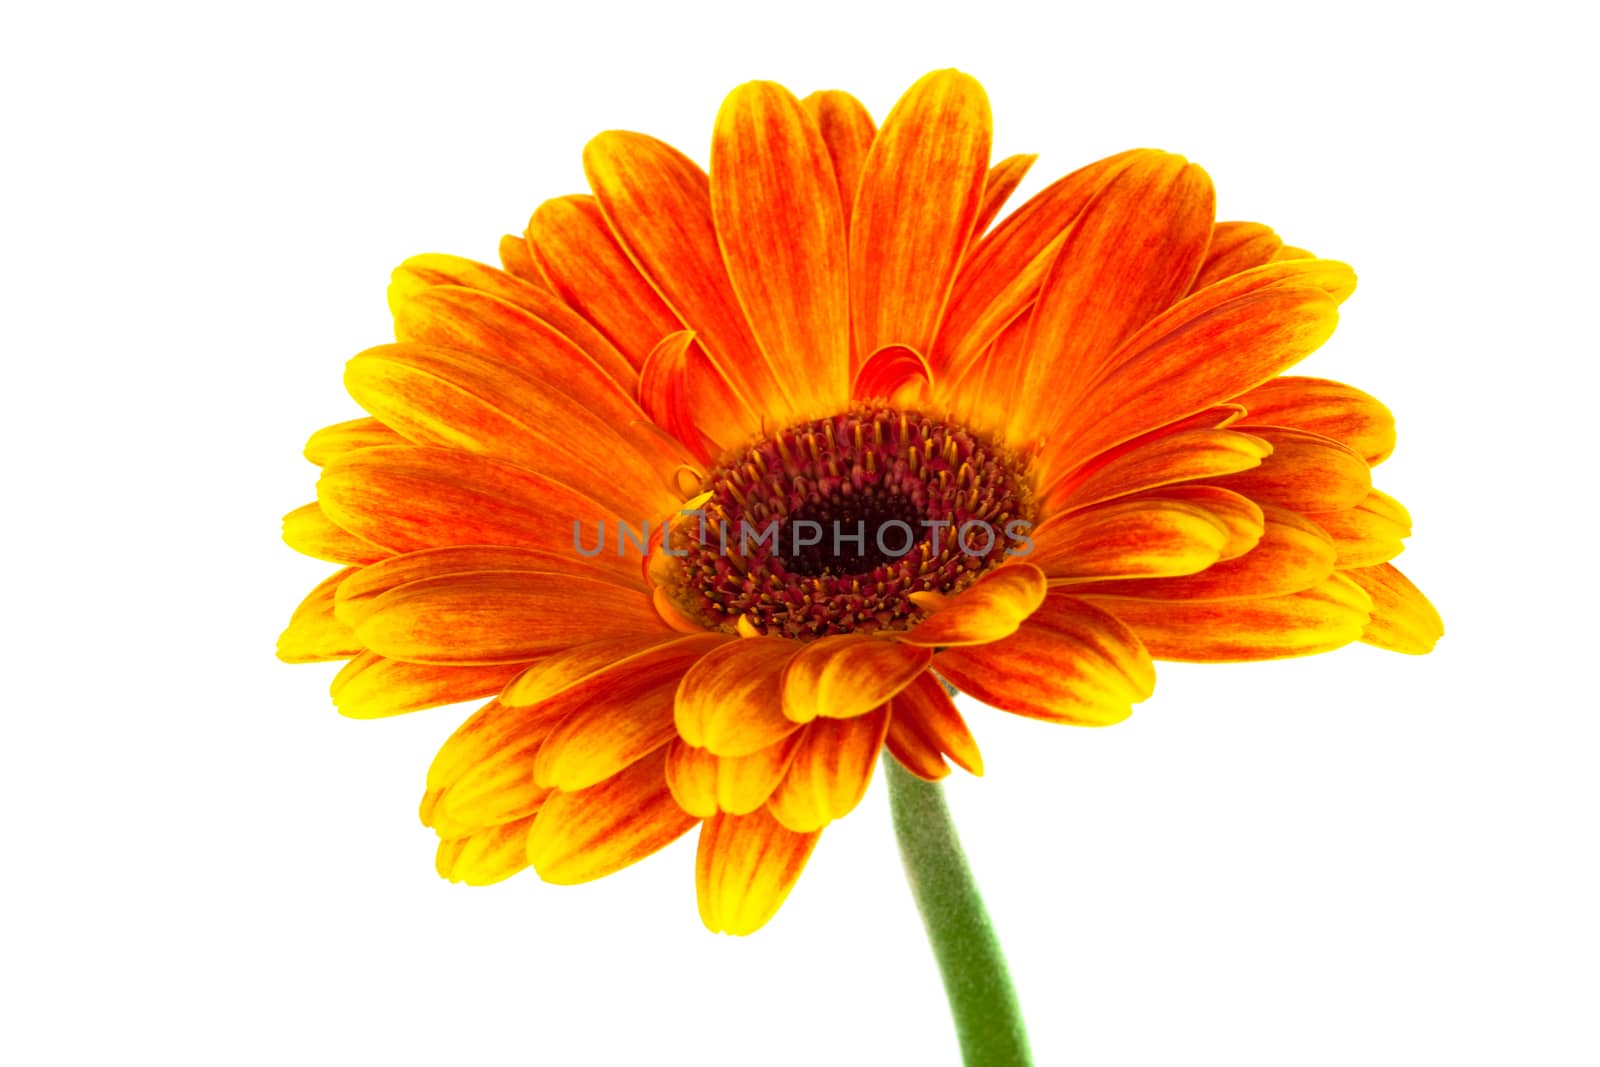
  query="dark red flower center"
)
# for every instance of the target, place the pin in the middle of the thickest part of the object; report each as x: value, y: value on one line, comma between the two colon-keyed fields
x: 829, y: 526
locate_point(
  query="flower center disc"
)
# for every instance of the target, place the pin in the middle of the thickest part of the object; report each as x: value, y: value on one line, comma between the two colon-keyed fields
x: 828, y: 527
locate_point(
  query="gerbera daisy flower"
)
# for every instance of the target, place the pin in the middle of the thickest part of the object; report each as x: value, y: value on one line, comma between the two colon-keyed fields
x: 720, y: 477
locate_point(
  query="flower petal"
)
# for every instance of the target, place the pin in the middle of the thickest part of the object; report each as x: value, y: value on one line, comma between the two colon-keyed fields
x: 1306, y: 472
x: 1070, y: 662
x: 1319, y: 619
x: 829, y: 773
x: 332, y: 441
x: 436, y: 397
x: 1236, y: 247
x: 483, y: 775
x: 314, y: 634
x: 775, y: 200
x: 581, y: 836
x: 1368, y: 534
x: 684, y: 393
x: 1197, y: 355
x: 486, y: 857
x: 308, y: 530
x: 357, y: 595
x: 1181, y: 456
x: 925, y: 729
x: 617, y: 715
x: 921, y: 189
x: 658, y: 203
x: 1293, y: 554
x: 1003, y: 272
x: 989, y: 609
x: 591, y: 271
x: 730, y: 701
x: 1004, y: 177
x: 847, y: 129
x: 374, y: 687
x: 1130, y: 254
x: 704, y: 783
x: 894, y: 375
x: 1241, y: 516
x: 1145, y: 537
x: 847, y: 675
x: 517, y: 259
x: 558, y: 672
x: 535, y: 331
x: 745, y: 868
x: 1402, y: 618
x: 1331, y: 409
x: 502, y: 617
x: 408, y: 499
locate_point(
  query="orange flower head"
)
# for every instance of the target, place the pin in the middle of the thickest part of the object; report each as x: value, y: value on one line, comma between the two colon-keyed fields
x: 722, y: 479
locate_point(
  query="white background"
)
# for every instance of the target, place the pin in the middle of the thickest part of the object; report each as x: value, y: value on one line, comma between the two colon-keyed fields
x: 1358, y: 858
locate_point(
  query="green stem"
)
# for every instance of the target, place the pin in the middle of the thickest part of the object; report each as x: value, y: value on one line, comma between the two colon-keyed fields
x: 987, y: 1017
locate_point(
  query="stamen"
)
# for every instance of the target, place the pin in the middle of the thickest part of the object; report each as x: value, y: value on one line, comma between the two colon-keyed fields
x: 831, y: 526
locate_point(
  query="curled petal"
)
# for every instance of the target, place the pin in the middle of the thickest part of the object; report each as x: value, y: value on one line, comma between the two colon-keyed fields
x: 731, y: 701
x: 893, y: 374
x: 991, y: 608
x: 847, y: 675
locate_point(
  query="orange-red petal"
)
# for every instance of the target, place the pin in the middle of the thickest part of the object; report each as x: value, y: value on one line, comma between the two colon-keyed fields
x: 616, y: 715
x: 775, y: 201
x: 1331, y: 409
x: 1319, y: 619
x: 581, y: 836
x: 1128, y: 255
x: 847, y: 129
x: 1236, y: 247
x: 1293, y: 554
x: 502, y: 617
x: 1143, y: 537
x: 925, y: 729
x: 921, y: 189
x: 1070, y: 662
x: 830, y: 770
